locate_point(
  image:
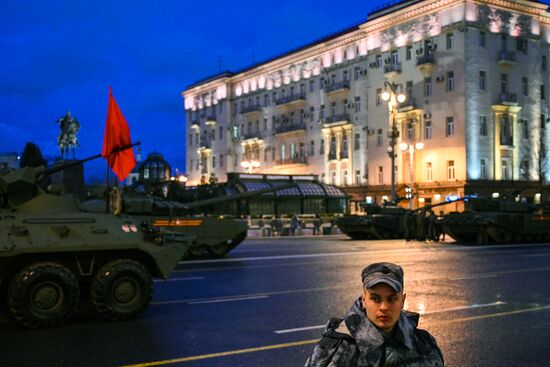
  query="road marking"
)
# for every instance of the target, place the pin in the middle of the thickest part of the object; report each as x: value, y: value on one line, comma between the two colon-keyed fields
x: 224, y: 354
x: 474, y: 277
x: 227, y: 300
x: 190, y: 301
x: 355, y: 253
x: 536, y: 255
x: 314, y: 327
x: 313, y: 341
x: 177, y: 279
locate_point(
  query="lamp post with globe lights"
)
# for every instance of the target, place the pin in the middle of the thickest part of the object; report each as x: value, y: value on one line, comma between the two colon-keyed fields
x: 411, y: 148
x: 394, y: 96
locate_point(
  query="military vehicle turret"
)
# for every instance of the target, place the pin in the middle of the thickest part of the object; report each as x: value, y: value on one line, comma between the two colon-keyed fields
x: 52, y: 255
x: 215, y: 235
x: 488, y: 221
x: 381, y: 222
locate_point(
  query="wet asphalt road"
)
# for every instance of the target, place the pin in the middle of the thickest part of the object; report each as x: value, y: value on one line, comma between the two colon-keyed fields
x: 265, y: 304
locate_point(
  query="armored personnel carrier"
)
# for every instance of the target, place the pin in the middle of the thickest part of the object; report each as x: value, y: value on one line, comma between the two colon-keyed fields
x: 53, y: 255
x: 499, y: 221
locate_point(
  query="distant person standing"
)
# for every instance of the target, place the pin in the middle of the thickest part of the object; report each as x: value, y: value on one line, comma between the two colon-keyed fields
x: 439, y: 226
x: 317, y: 222
x: 432, y: 233
x: 294, y: 223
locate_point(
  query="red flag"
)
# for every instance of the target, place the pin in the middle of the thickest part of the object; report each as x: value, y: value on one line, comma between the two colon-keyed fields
x: 117, y: 135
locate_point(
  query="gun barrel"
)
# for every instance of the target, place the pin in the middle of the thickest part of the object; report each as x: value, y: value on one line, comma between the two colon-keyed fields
x: 49, y: 171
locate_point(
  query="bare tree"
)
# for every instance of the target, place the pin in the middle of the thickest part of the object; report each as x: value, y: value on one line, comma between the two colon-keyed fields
x: 541, y: 158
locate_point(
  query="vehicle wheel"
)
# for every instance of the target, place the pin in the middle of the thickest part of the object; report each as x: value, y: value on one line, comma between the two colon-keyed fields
x: 121, y: 290
x: 43, y: 295
x: 219, y: 250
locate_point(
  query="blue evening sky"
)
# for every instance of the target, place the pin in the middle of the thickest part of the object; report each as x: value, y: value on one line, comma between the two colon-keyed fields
x: 61, y: 55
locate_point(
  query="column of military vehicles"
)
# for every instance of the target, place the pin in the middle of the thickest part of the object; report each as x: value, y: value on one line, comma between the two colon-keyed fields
x: 55, y: 252
x: 484, y: 221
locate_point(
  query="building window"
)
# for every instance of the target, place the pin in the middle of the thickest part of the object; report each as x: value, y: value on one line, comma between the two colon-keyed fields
x: 378, y: 60
x: 450, y: 170
x: 380, y: 138
x: 273, y: 153
x: 408, y: 53
x: 483, y: 169
x: 358, y: 177
x: 525, y: 129
x: 522, y: 45
x: 380, y: 175
x: 333, y: 177
x: 394, y: 57
x: 505, y: 169
x: 345, y: 76
x: 213, y: 162
x: 482, y: 125
x: 429, y: 171
x: 427, y: 87
x: 312, y: 148
x: 410, y: 129
x: 333, y: 108
x: 283, y: 152
x: 482, y: 80
x: 427, y: 129
x: 321, y: 112
x: 524, y: 169
x: 450, y: 126
x: 542, y: 121
x: 503, y: 83
x: 322, y: 147
x: 450, y: 81
x: 482, y: 39
x: 357, y: 103
x: 311, y: 113
x: 191, y: 165
x: 525, y: 86
x: 542, y: 92
x: 220, y: 132
x: 190, y: 140
x: 409, y: 88
x: 450, y: 40
x: 543, y: 63
x: 356, y: 73
x: 378, y: 96
x: 503, y: 42
x: 356, y: 142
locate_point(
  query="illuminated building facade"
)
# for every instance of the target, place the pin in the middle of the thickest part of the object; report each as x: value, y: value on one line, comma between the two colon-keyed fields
x: 475, y: 74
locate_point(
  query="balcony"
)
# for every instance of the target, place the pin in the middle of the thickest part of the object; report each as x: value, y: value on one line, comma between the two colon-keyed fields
x: 293, y: 160
x: 288, y: 128
x: 334, y: 120
x: 392, y: 69
x: 344, y: 154
x: 251, y: 109
x: 252, y: 135
x: 195, y: 124
x: 291, y: 99
x: 337, y: 87
x: 426, y: 64
x: 205, y: 144
x: 211, y: 120
x: 507, y: 140
x: 508, y: 99
x: 506, y: 58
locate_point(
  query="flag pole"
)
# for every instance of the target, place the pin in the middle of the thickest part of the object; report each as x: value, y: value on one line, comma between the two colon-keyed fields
x: 107, y: 174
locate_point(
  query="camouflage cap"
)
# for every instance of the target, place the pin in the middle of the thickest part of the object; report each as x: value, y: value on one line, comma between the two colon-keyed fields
x: 388, y: 273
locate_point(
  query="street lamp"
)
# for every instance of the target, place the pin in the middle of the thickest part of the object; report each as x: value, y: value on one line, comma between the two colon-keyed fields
x: 393, y: 95
x: 411, y: 148
x: 250, y: 165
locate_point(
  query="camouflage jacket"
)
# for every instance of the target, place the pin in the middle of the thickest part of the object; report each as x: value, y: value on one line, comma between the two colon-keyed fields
x: 355, y: 341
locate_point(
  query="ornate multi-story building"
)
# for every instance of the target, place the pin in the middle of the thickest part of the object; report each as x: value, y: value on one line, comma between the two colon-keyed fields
x: 475, y: 74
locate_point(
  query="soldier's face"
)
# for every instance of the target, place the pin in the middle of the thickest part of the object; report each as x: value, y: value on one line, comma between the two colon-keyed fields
x: 383, y: 305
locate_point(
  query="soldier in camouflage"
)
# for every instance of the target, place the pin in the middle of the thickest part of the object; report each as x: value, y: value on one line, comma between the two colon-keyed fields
x: 376, y: 330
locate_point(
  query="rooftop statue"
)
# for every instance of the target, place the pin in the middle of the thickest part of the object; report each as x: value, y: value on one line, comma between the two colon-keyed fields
x: 67, y: 137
